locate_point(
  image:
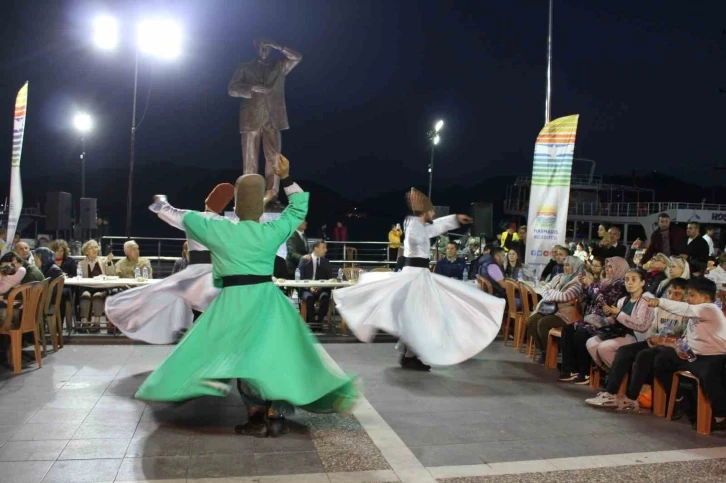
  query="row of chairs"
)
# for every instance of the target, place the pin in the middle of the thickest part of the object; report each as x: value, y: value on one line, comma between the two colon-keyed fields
x: 38, y: 313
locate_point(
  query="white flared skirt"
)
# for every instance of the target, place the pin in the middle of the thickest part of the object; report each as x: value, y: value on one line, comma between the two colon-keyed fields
x: 445, y: 321
x: 157, y: 313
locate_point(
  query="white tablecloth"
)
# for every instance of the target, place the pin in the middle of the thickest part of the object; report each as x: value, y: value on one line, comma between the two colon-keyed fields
x: 106, y: 283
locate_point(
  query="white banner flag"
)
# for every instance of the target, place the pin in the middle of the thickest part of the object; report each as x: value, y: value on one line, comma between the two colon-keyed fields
x: 549, y: 194
x: 16, y: 188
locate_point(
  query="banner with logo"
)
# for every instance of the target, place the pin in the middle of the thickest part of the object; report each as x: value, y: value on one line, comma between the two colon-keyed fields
x: 16, y: 189
x: 550, y: 190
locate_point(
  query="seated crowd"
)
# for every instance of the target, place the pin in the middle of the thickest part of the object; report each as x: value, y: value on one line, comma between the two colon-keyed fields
x: 630, y: 315
x: 22, y: 266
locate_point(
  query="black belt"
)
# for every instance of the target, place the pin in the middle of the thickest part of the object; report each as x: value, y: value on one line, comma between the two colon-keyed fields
x: 237, y: 280
x: 417, y: 262
x: 197, y: 257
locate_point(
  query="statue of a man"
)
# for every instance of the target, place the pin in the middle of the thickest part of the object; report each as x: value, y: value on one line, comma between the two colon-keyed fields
x: 260, y: 85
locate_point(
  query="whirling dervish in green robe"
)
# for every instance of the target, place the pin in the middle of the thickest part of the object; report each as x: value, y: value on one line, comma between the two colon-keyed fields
x: 251, y: 332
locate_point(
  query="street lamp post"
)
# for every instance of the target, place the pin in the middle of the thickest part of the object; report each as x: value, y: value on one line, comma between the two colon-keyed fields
x: 435, y: 138
x: 82, y: 122
x: 157, y: 37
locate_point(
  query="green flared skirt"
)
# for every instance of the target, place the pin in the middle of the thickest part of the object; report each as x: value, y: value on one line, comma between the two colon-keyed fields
x: 253, y: 333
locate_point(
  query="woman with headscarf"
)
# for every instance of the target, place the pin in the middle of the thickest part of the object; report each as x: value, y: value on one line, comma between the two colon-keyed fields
x: 677, y: 268
x: 45, y: 261
x: 558, y: 306
x: 603, y: 293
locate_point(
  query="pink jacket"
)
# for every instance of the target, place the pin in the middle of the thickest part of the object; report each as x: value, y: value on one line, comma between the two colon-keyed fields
x: 642, y: 316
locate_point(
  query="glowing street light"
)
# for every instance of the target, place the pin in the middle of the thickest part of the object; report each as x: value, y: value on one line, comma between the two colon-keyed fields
x: 83, y: 124
x: 82, y: 121
x: 105, y: 32
x: 160, y: 37
x: 435, y: 139
x: 156, y: 37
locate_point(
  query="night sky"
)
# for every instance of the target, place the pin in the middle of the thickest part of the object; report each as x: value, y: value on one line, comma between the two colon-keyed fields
x: 375, y: 75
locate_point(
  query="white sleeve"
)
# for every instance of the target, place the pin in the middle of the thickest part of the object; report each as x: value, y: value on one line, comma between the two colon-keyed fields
x: 292, y: 189
x: 442, y: 225
x: 685, y: 309
x: 169, y: 214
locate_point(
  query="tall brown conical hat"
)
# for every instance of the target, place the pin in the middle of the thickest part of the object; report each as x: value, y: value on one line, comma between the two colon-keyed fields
x: 418, y: 202
x: 220, y: 197
x: 249, y: 194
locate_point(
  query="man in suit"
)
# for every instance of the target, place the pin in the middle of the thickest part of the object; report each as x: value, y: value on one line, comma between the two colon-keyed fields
x: 696, y: 246
x: 316, y: 267
x: 297, y: 247
x: 260, y: 86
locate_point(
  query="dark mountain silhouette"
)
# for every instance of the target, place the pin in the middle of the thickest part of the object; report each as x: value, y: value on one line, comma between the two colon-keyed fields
x: 368, y: 219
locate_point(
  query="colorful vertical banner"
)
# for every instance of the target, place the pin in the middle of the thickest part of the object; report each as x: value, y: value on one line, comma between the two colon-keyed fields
x: 16, y: 188
x: 549, y: 194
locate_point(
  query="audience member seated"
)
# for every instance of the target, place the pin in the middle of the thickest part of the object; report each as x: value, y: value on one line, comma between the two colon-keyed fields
x: 491, y: 267
x: 451, y: 266
x: 551, y: 265
x: 183, y: 262
x: 23, y: 251
x: 705, y: 339
x: 316, y: 267
x: 580, y: 252
x: 70, y: 268
x: 93, y: 266
x: 32, y: 273
x: 126, y: 267
x: 616, y: 248
x: 63, y: 257
x: 45, y: 261
x: 297, y: 247
x: 595, y: 267
x: 632, y: 314
x: 558, y: 307
x: 718, y: 274
x: 601, y: 293
x: 668, y: 239
x: 638, y: 358
x: 658, y: 269
x: 677, y: 268
x: 513, y: 265
x: 11, y: 275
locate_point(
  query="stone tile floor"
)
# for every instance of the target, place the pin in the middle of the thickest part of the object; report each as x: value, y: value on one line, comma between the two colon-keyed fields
x: 75, y: 420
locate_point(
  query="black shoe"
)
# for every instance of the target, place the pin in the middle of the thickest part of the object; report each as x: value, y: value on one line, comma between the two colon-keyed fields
x: 256, y: 430
x: 256, y: 426
x: 277, y: 427
x: 414, y: 364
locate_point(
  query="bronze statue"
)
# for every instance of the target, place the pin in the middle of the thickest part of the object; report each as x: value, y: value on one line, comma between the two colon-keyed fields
x: 260, y: 85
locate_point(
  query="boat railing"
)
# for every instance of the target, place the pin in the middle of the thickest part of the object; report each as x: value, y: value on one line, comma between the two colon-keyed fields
x: 630, y: 209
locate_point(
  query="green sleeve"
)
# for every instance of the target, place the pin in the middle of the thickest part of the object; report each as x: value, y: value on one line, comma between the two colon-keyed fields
x: 290, y: 219
x: 196, y: 227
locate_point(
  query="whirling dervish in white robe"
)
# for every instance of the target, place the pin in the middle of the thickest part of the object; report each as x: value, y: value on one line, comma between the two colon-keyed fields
x: 161, y: 312
x: 440, y: 321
